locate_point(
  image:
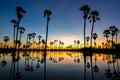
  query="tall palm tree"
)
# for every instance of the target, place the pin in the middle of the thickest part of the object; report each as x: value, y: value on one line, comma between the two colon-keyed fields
x: 47, y: 14
x: 95, y: 36
x: 116, y: 33
x: 94, y: 16
x: 112, y: 32
x: 6, y: 39
x: 21, y: 30
x: 19, y: 12
x: 14, y: 26
x: 106, y: 34
x: 85, y: 9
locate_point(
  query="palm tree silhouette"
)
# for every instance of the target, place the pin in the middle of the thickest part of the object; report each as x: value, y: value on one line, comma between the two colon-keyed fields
x: 95, y: 36
x: 47, y: 14
x: 19, y: 11
x: 39, y: 38
x: 116, y: 33
x: 14, y: 26
x: 87, y: 38
x: 78, y: 42
x: 6, y: 39
x: 106, y: 34
x: 21, y: 30
x: 112, y: 32
x: 29, y: 36
x: 33, y: 36
x: 94, y: 16
x: 85, y: 9
x: 75, y: 44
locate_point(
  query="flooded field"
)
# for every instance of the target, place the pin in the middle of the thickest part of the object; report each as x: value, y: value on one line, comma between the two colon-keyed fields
x: 59, y: 65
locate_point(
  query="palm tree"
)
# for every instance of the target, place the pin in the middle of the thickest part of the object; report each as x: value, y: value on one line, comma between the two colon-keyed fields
x: 95, y: 35
x: 14, y: 26
x: 21, y: 30
x: 85, y: 9
x: 6, y: 39
x: 87, y: 38
x: 112, y: 32
x: 39, y: 38
x: 106, y: 34
x: 94, y: 16
x: 75, y: 43
x: 78, y: 42
x: 29, y: 36
x: 33, y: 35
x: 19, y: 11
x: 116, y: 33
x: 47, y: 14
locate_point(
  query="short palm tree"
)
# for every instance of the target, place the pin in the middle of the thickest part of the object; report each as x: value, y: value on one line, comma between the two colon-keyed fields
x: 85, y: 9
x: 29, y: 36
x: 87, y: 38
x: 112, y: 32
x: 106, y: 34
x: 6, y: 39
x: 21, y: 30
x: 47, y: 14
x: 33, y: 36
x: 39, y: 38
x: 75, y: 43
x: 95, y: 36
x: 116, y: 33
x: 94, y: 16
x: 78, y: 43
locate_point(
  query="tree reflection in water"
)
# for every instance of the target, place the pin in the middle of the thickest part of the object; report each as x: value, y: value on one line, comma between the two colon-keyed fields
x: 23, y: 65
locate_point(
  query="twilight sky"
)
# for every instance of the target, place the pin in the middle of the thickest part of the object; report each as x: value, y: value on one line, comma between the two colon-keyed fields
x: 66, y: 22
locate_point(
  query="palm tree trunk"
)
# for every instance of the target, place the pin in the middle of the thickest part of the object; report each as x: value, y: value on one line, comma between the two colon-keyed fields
x: 17, y: 35
x: 92, y: 33
x: 46, y: 33
x: 84, y: 32
x: 45, y: 49
x: 14, y: 37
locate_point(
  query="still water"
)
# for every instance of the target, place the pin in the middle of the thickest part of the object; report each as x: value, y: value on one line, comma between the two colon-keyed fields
x: 59, y: 65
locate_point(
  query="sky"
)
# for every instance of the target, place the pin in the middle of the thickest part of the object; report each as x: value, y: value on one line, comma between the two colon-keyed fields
x: 66, y: 23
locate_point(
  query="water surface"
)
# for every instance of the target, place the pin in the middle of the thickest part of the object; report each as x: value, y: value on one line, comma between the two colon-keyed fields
x: 59, y: 65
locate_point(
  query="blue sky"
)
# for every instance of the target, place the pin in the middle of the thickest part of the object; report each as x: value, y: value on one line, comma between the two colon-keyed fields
x: 66, y: 22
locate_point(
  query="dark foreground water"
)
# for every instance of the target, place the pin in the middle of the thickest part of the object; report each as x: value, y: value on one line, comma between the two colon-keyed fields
x: 59, y: 66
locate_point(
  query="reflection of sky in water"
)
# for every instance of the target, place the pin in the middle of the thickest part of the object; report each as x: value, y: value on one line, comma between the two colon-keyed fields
x: 60, y: 66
